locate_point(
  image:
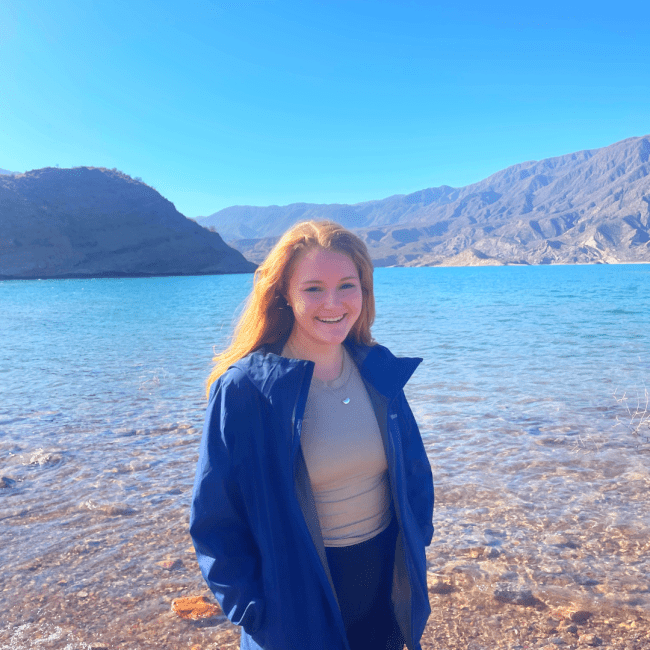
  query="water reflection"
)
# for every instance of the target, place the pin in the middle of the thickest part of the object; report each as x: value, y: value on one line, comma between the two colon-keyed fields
x: 541, y: 468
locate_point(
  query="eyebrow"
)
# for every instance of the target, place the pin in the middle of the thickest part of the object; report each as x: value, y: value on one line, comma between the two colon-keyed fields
x: 350, y: 277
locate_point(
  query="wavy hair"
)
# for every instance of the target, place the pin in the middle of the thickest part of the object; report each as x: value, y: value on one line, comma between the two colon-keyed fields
x: 267, y: 317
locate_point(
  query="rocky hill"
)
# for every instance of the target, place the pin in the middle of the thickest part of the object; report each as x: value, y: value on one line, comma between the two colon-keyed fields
x: 92, y: 222
x: 586, y: 207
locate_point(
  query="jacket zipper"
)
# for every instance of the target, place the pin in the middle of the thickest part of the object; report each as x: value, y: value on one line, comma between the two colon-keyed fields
x: 295, y: 441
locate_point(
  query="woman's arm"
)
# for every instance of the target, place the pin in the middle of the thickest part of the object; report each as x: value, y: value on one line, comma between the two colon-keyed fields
x: 228, y: 556
x: 419, y: 478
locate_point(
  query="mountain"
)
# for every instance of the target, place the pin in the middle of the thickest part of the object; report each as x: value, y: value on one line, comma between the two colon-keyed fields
x: 94, y: 222
x: 587, y: 207
x: 7, y: 172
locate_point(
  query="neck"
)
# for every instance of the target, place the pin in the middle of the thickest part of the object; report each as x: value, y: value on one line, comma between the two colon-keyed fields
x: 327, y: 357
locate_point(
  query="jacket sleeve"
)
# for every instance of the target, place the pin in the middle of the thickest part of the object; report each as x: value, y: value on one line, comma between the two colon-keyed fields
x: 227, y: 554
x: 419, y: 477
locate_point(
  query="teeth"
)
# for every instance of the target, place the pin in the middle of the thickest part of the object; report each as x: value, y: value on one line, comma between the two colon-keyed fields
x: 331, y: 320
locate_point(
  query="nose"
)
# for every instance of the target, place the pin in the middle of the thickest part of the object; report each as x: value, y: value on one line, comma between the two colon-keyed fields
x: 331, y: 298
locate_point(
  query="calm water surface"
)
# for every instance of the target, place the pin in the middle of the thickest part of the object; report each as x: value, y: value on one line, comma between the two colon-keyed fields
x: 526, y: 401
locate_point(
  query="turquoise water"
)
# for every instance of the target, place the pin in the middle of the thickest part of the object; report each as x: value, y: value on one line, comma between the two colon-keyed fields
x: 525, y: 399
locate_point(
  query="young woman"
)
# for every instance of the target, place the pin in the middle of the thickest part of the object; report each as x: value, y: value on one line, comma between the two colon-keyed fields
x: 313, y: 496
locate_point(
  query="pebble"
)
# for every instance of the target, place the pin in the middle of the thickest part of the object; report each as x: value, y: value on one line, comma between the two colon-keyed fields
x: 581, y: 616
x: 195, y: 608
x: 561, y: 541
x: 483, y: 553
x: 44, y: 458
x: 517, y: 597
x: 170, y: 564
x: 441, y: 588
x: 591, y: 640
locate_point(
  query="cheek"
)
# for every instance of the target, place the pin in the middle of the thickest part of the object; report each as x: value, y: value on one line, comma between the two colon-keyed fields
x: 300, y: 303
x: 302, y: 306
x: 357, y: 303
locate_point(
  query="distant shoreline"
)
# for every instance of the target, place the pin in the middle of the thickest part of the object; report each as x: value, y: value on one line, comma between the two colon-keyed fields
x: 121, y: 275
x: 115, y: 275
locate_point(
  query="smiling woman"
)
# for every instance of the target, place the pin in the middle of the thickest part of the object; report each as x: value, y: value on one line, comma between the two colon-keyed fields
x: 313, y: 496
x: 268, y: 316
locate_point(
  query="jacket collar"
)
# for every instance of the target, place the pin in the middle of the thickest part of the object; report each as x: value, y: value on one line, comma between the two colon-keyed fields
x: 271, y: 373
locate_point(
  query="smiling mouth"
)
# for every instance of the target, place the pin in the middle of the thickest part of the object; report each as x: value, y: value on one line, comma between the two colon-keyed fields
x: 331, y: 320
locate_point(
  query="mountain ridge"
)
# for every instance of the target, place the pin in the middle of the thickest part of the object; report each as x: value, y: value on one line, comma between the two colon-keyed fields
x: 590, y: 206
x: 94, y: 222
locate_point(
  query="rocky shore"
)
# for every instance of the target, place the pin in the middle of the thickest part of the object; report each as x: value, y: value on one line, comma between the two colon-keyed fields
x: 466, y: 615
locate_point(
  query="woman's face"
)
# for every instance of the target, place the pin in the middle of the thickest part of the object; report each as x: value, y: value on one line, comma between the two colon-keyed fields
x: 325, y: 296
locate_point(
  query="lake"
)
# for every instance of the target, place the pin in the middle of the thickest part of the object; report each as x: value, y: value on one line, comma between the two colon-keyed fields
x: 531, y: 400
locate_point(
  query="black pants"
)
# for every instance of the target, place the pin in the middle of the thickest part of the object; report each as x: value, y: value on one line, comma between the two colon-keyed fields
x: 363, y: 576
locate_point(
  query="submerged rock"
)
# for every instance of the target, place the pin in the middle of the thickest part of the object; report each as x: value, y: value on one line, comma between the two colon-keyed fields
x: 516, y: 596
x: 170, y: 565
x: 195, y: 608
x: 45, y: 458
x: 580, y: 616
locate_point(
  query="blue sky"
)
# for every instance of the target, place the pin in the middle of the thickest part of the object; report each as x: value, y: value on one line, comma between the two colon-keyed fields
x: 230, y: 103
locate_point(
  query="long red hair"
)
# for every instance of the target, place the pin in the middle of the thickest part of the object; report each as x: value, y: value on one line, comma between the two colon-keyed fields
x: 267, y: 317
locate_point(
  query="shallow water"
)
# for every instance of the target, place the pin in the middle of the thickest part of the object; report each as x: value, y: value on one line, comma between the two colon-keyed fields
x: 525, y: 400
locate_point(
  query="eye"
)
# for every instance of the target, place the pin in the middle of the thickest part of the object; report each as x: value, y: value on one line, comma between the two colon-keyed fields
x: 348, y: 285
x: 312, y: 289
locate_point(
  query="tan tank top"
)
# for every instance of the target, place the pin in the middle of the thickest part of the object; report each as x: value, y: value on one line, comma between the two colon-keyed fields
x: 345, y: 458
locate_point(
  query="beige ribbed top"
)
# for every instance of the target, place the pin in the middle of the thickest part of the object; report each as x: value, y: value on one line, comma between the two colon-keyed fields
x: 345, y: 458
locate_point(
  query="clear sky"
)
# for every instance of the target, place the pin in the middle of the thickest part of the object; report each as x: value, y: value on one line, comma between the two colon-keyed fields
x: 218, y: 103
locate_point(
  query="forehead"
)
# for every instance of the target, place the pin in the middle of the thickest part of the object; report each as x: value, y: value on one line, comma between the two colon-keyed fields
x: 320, y: 264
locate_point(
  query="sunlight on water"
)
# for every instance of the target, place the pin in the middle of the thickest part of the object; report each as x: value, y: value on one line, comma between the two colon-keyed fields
x: 526, y: 400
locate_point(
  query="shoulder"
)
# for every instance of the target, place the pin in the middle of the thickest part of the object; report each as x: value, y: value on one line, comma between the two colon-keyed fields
x: 232, y: 395
x: 234, y: 378
x: 241, y: 375
x: 233, y: 414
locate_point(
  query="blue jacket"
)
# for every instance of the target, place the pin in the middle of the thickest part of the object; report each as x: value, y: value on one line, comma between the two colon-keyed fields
x: 253, y: 519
